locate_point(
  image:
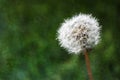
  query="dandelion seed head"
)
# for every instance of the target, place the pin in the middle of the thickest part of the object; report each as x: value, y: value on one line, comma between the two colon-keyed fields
x: 78, y: 33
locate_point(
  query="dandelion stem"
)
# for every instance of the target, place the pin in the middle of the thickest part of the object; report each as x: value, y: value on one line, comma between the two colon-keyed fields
x: 88, y: 64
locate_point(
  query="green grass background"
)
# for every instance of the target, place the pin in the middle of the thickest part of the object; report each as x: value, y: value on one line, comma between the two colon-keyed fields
x: 29, y: 49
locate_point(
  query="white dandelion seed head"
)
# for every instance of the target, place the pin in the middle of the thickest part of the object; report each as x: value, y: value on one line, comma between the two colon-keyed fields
x: 79, y: 33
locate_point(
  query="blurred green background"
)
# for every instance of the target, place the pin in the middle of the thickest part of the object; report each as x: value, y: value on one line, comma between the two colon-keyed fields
x: 29, y: 49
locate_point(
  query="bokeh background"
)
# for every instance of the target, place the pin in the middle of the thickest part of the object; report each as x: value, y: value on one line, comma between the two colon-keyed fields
x: 29, y: 49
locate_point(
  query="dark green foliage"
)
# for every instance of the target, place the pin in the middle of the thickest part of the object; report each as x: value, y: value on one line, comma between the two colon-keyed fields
x: 29, y: 49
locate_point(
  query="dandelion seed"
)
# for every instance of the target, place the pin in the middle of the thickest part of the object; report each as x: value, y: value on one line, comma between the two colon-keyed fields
x: 79, y: 33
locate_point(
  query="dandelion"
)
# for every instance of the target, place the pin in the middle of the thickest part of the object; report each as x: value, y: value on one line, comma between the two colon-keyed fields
x: 79, y: 34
